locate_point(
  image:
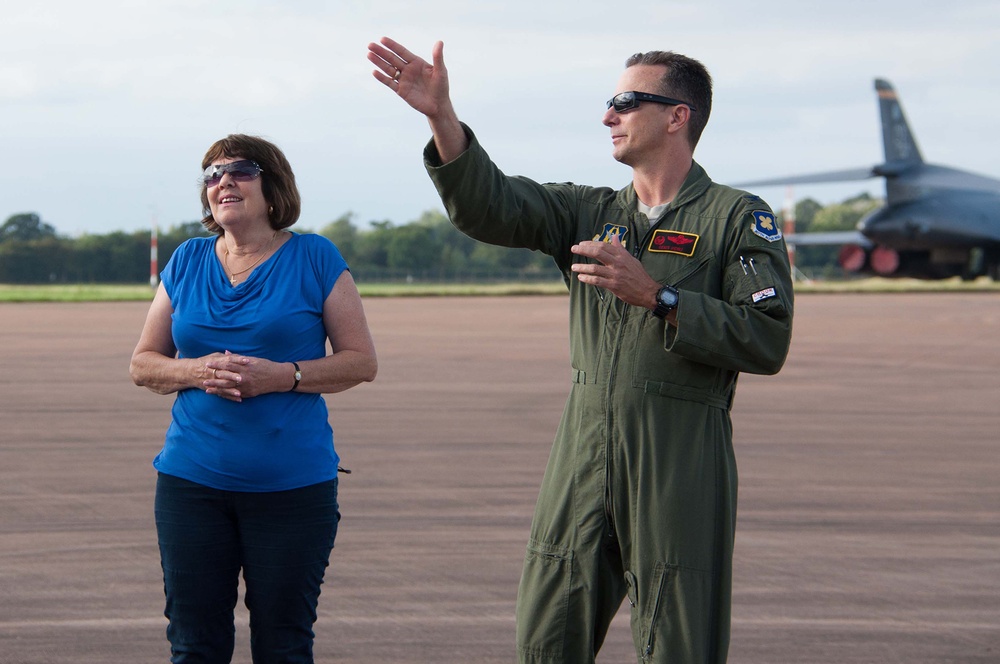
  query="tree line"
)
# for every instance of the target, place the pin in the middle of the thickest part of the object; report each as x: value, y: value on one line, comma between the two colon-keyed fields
x: 426, y: 249
x: 820, y: 262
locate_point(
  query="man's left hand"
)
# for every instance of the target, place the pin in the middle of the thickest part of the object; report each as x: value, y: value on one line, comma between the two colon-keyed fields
x: 616, y: 271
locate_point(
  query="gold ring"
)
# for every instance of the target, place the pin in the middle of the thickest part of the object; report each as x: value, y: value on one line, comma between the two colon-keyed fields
x: 399, y: 72
x: 215, y: 374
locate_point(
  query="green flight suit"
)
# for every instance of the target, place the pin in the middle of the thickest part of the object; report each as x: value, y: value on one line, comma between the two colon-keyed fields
x: 639, y: 495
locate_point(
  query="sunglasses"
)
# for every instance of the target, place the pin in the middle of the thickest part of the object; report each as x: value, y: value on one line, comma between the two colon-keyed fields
x: 626, y: 101
x: 240, y: 171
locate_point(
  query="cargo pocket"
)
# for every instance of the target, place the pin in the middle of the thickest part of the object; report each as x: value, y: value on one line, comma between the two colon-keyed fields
x: 543, y: 600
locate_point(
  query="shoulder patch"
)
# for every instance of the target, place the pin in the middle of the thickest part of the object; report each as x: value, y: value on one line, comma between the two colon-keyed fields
x: 673, y: 242
x: 610, y: 230
x: 765, y: 225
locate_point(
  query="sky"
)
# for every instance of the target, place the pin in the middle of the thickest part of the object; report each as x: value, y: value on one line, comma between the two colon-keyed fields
x: 107, y: 107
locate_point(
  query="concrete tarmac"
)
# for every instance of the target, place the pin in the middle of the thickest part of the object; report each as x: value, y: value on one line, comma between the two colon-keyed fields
x: 869, y: 524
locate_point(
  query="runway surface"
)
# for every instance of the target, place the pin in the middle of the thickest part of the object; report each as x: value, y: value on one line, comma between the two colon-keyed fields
x: 869, y: 524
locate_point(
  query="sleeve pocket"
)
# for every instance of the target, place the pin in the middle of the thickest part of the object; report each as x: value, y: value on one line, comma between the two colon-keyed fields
x: 753, y: 283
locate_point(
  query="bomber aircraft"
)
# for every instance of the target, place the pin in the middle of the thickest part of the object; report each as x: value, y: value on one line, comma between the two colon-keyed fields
x: 937, y: 222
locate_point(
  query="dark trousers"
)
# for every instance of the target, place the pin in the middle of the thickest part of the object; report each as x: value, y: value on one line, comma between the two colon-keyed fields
x: 282, y: 542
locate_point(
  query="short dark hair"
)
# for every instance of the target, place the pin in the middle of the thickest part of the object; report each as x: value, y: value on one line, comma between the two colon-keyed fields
x: 685, y: 79
x: 277, y: 180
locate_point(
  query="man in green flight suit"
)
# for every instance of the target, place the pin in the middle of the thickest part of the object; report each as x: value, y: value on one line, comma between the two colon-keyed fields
x: 677, y: 285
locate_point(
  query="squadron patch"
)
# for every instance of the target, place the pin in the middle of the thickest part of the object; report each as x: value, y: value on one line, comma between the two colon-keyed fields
x: 766, y: 226
x: 610, y: 230
x: 673, y: 242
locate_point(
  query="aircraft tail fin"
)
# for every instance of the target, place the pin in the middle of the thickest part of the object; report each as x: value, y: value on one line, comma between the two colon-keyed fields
x: 900, y: 145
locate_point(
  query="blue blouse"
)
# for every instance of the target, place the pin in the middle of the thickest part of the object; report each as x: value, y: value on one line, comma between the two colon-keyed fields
x: 272, y: 442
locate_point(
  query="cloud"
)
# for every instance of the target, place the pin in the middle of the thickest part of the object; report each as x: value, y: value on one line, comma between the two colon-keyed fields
x: 106, y: 107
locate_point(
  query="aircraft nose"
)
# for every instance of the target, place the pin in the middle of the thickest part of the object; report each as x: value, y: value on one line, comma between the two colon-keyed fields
x: 893, y: 227
x: 884, y: 220
x: 871, y: 221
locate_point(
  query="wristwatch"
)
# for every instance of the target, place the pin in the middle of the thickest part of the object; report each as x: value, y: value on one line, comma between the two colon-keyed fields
x: 297, y: 374
x: 666, y: 301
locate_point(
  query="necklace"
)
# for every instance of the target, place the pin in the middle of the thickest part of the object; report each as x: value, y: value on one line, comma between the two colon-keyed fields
x: 232, y: 275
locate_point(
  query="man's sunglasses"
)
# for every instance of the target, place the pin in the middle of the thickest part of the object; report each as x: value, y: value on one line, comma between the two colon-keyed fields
x: 626, y: 101
x: 241, y: 171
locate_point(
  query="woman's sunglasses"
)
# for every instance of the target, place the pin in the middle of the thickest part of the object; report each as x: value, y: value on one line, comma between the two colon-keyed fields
x: 240, y: 171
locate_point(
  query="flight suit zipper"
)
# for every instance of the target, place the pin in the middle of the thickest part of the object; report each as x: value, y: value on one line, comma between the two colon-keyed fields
x: 636, y: 252
x: 609, y: 420
x: 608, y: 400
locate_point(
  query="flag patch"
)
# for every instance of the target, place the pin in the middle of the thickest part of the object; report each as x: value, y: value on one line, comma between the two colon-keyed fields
x: 765, y: 294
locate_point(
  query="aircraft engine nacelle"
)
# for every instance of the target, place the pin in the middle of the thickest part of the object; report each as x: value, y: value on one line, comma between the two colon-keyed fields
x: 881, y: 260
x: 884, y: 261
x: 853, y: 258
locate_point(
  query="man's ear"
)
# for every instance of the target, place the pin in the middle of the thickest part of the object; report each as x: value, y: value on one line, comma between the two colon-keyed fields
x: 679, y: 116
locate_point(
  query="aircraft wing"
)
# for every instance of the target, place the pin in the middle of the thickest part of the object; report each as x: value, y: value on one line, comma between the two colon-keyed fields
x: 831, y: 238
x: 942, y: 177
x: 920, y: 175
x: 815, y: 178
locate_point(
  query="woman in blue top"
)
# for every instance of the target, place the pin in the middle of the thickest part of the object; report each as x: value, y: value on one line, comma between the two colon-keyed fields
x: 247, y: 478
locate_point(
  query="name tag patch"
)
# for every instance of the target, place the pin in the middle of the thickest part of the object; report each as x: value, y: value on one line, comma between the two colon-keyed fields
x: 765, y: 294
x: 766, y: 226
x: 673, y: 242
x: 611, y: 230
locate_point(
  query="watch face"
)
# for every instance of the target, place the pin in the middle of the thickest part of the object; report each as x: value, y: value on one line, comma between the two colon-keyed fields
x: 668, y: 296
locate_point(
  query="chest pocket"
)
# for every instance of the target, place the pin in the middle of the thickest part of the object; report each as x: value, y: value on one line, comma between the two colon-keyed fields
x: 655, y: 369
x: 696, y: 273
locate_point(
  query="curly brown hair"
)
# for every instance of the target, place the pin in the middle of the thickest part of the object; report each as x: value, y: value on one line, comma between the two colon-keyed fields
x: 277, y: 179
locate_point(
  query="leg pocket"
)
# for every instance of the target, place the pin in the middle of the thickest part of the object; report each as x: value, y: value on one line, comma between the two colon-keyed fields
x: 646, y: 606
x: 543, y: 600
x: 675, y: 620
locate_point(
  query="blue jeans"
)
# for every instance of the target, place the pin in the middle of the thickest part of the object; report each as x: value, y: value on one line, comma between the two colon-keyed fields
x: 282, y: 542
